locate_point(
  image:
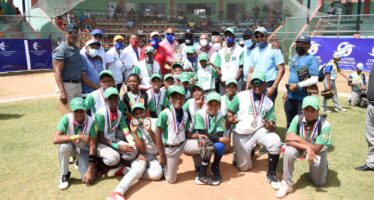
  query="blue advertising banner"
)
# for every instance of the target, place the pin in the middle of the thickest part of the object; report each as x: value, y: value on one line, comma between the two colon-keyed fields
x: 40, y: 52
x: 12, y: 55
x: 353, y: 51
x: 22, y: 55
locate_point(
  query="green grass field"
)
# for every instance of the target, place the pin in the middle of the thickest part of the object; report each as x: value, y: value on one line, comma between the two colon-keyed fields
x: 29, y: 162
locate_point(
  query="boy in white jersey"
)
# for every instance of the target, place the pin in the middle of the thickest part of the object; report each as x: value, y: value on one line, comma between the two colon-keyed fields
x: 194, y: 104
x: 146, y: 68
x: 207, y: 74
x: 76, y: 134
x: 157, y: 99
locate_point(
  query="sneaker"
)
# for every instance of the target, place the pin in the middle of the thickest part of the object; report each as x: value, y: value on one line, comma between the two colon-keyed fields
x: 205, y: 181
x: 76, y: 164
x: 119, y: 171
x: 216, y: 173
x: 283, y: 190
x: 272, y: 178
x: 340, y: 110
x: 64, y: 182
x: 116, y: 196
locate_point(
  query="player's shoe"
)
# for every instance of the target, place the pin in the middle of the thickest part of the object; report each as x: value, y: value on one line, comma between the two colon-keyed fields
x: 272, y: 178
x: 64, y: 181
x: 283, y: 190
x: 205, y: 181
x: 116, y: 196
x: 216, y: 173
x: 119, y: 171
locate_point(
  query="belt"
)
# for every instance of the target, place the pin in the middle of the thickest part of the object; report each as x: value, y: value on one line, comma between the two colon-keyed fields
x: 72, y: 81
x: 174, y: 145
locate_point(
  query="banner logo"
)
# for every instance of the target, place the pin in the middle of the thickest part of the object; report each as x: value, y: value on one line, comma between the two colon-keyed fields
x: 372, y: 52
x: 345, y: 49
x: 314, y: 48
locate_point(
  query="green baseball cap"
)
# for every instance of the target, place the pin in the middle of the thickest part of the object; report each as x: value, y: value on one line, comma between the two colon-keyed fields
x: 168, y: 76
x: 258, y: 75
x: 149, y: 49
x: 156, y: 76
x: 137, y: 105
x: 232, y: 81
x: 110, y: 91
x: 190, y: 49
x: 106, y: 73
x: 184, y: 77
x: 197, y: 85
x: 214, y: 96
x: 311, y: 101
x: 203, y: 56
x: 176, y: 89
x: 77, y: 103
x: 231, y: 30
x: 177, y: 63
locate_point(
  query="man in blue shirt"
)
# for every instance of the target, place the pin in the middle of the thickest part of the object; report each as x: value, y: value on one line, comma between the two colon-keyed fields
x: 92, y: 66
x: 303, y: 73
x: 266, y: 60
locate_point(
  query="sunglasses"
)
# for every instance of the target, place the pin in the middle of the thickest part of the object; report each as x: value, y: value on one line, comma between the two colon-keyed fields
x: 98, y: 36
x: 259, y: 36
x: 72, y: 32
x: 169, y: 33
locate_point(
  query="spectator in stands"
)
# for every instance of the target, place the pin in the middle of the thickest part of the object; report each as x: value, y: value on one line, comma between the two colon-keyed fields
x: 160, y: 52
x: 131, y: 54
x: 17, y: 12
x: 68, y: 66
x: 70, y: 17
x: 93, y: 65
x: 111, y: 11
x: 98, y: 35
x: 171, y: 46
x: 331, y: 10
x: 115, y: 60
x: 204, y: 45
x: 2, y: 11
x: 82, y: 19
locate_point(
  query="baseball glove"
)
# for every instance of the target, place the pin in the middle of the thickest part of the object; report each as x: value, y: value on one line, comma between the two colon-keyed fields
x: 327, y: 93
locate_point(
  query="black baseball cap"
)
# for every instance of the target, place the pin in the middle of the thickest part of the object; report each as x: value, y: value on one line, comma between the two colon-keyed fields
x: 303, y: 39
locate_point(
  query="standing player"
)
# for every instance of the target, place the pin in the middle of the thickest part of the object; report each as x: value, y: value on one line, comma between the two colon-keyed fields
x: 157, y: 100
x: 206, y: 74
x: 146, y: 68
x: 311, y: 134
x: 255, y: 124
x: 358, y: 83
x: 75, y: 135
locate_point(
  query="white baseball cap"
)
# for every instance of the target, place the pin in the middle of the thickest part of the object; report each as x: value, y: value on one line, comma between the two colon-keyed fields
x: 154, y: 33
x: 360, y: 66
x: 336, y: 55
x: 261, y: 30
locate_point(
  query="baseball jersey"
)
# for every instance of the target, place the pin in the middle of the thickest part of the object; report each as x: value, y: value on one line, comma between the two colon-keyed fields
x: 156, y: 102
x: 229, y: 60
x: 110, y: 127
x: 95, y: 100
x: 242, y: 106
x: 225, y: 102
x: 203, y: 121
x: 167, y: 121
x: 332, y: 69
x: 357, y: 79
x: 191, y: 108
x: 146, y: 70
x: 206, y: 77
x: 116, y: 64
x: 150, y: 145
x: 323, y: 138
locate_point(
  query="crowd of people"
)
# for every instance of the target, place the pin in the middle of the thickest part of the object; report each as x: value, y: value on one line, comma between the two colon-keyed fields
x: 134, y: 111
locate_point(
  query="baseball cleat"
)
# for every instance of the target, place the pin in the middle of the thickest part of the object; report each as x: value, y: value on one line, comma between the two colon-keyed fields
x: 283, y: 190
x: 64, y: 181
x: 205, y: 181
x: 272, y: 178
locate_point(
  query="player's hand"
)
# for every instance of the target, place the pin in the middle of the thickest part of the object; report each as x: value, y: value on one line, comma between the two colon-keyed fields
x: 63, y: 98
x: 311, y: 155
x: 270, y: 91
x: 88, y: 177
x: 142, y: 157
x: 275, y: 45
x: 126, y: 148
x: 162, y: 160
x: 269, y: 125
x: 202, y: 139
x: 147, y: 126
x: 133, y: 127
x: 84, y: 138
x: 284, y: 98
x: 363, y: 87
x: 293, y: 87
x: 224, y: 140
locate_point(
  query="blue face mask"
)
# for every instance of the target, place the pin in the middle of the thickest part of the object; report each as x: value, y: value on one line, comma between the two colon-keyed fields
x: 118, y: 45
x: 248, y: 43
x: 155, y: 43
x: 169, y: 38
x: 262, y: 44
x: 230, y: 40
x: 192, y: 59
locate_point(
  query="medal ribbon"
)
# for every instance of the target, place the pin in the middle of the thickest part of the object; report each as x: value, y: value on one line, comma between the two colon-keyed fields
x: 177, y: 126
x: 133, y: 99
x: 157, y: 103
x: 253, y: 103
x: 75, y: 123
x: 149, y: 69
x: 112, y: 128
x: 208, y: 120
x: 229, y: 55
x: 311, y: 134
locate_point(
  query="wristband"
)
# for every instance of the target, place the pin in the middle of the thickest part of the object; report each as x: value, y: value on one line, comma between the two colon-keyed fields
x: 74, y: 137
x: 91, y: 158
x: 114, y: 145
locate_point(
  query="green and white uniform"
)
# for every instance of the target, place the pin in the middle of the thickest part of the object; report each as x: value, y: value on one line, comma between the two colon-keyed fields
x: 146, y: 70
x: 211, y: 124
x: 225, y: 102
x: 95, y: 100
x: 249, y: 130
x: 206, y: 77
x: 156, y: 101
x: 70, y: 127
x: 228, y: 60
x: 318, y: 173
x: 191, y: 108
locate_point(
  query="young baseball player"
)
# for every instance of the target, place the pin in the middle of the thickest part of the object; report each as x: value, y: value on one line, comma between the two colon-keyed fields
x: 75, y: 135
x: 157, y: 100
x: 255, y: 124
x: 207, y: 74
x: 194, y: 104
x: 231, y: 88
x: 177, y: 71
x: 357, y: 81
x: 172, y: 135
x: 146, y: 68
x: 134, y: 95
x: 309, y: 134
x: 210, y: 122
x: 184, y: 81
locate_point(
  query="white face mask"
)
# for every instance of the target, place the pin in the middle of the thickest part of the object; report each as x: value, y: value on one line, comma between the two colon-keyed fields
x: 93, y: 52
x: 203, y: 42
x: 216, y: 46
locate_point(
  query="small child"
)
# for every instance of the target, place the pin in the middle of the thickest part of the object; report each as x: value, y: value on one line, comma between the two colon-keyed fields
x: 210, y: 122
x: 358, y: 83
x: 231, y: 89
x: 76, y: 134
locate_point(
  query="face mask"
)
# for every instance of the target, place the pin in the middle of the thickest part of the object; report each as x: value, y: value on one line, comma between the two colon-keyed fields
x: 149, y: 59
x: 118, y: 45
x: 216, y: 46
x: 230, y: 40
x: 188, y: 42
x: 203, y: 42
x: 170, y: 38
x: 93, y: 52
x: 191, y: 59
x: 134, y: 43
x: 248, y: 43
x: 262, y: 44
x: 300, y: 50
x: 155, y: 43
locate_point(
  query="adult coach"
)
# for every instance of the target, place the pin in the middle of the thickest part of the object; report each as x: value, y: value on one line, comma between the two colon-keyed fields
x: 369, y: 166
x: 68, y: 65
x: 266, y: 60
x: 303, y: 73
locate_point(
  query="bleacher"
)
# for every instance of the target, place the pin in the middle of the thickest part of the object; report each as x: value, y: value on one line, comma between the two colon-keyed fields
x: 331, y: 25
